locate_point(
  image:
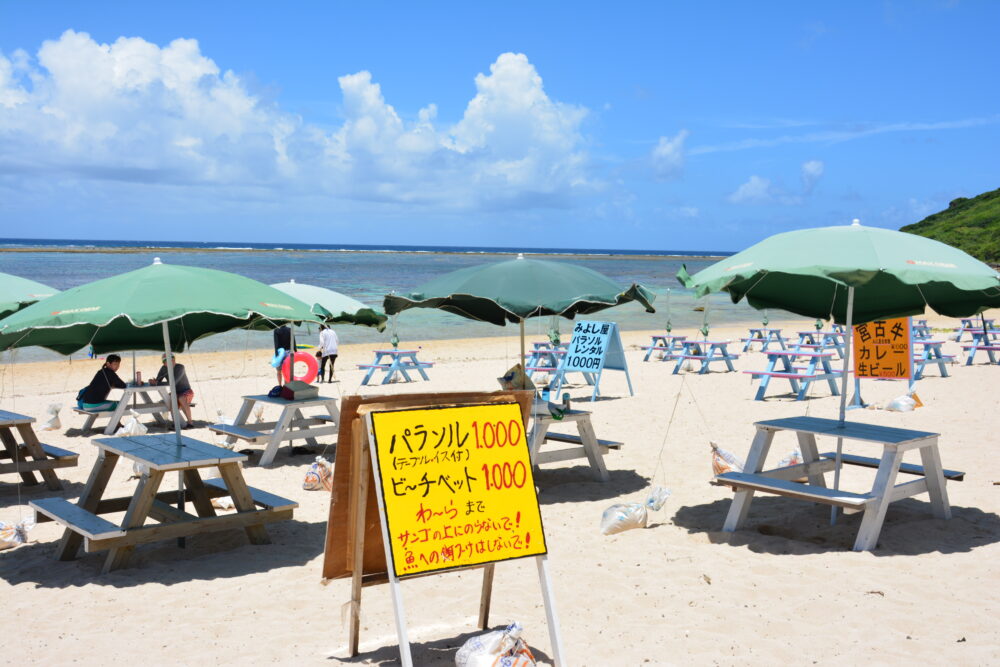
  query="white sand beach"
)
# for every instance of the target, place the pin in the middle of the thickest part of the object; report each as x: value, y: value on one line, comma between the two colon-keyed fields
x: 787, y: 589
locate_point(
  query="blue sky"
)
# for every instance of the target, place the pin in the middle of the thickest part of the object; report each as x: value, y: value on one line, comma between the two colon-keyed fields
x: 661, y: 125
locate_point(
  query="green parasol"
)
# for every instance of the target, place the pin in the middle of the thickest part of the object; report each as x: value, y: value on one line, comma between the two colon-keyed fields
x: 341, y: 308
x: 893, y: 274
x: 852, y: 274
x: 17, y: 292
x: 516, y: 289
x: 125, y: 312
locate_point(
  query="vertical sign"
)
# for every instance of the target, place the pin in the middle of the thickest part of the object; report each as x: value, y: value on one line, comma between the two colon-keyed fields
x: 883, y: 349
x: 594, y: 347
x: 456, y: 486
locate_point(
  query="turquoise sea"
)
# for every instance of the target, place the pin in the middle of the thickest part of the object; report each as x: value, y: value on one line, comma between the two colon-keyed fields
x: 367, y: 273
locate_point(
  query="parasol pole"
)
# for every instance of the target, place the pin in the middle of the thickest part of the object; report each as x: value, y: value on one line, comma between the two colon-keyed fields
x: 175, y: 413
x: 524, y: 371
x: 848, y: 339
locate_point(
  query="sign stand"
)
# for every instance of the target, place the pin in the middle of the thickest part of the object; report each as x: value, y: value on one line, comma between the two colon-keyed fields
x: 352, y: 547
x: 595, y: 346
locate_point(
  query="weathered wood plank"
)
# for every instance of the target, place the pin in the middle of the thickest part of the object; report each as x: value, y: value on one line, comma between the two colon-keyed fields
x: 76, y: 518
x: 781, y: 487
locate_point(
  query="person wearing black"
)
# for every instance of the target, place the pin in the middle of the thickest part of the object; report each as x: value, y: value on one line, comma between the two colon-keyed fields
x: 95, y: 395
x: 181, y: 387
x: 282, y: 340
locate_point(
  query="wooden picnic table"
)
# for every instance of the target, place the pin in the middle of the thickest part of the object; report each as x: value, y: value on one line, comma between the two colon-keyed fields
x: 543, y: 360
x: 707, y: 352
x: 160, y: 454
x: 799, y: 377
x: 292, y: 424
x: 30, y: 456
x: 931, y: 353
x: 134, y: 397
x: 825, y: 339
x: 874, y: 503
x: 667, y: 344
x: 765, y: 337
x: 399, y: 361
x: 921, y: 330
x: 588, y: 445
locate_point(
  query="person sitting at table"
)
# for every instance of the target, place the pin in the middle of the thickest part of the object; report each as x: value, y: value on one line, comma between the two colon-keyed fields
x: 328, y: 343
x: 95, y: 395
x: 181, y: 387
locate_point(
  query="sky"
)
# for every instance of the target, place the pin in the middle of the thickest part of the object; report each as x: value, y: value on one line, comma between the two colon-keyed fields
x: 657, y: 126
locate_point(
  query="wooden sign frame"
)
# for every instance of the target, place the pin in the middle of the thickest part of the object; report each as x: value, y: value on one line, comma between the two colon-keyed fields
x: 357, y: 541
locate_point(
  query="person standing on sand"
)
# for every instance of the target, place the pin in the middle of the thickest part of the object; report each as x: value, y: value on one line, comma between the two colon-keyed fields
x: 328, y: 344
x: 282, y: 340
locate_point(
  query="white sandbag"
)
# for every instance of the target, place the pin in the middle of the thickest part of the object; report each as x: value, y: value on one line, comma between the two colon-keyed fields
x: 223, y: 503
x: 621, y: 517
x: 258, y: 414
x: 724, y: 461
x: 53, y: 423
x: 792, y: 459
x: 228, y: 421
x: 503, y: 648
x: 901, y: 404
x: 132, y: 426
x: 15, y: 534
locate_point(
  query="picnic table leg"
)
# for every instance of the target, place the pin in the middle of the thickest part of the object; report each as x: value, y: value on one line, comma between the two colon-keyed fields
x: 589, y: 440
x: 765, y: 380
x: 541, y: 427
x: 810, y: 454
x: 242, y: 417
x: 116, y: 417
x: 36, y: 452
x: 755, y: 463
x: 391, y: 371
x: 297, y: 415
x: 420, y: 369
x: 368, y: 375
x: 724, y: 354
x: 146, y: 400
x: 238, y: 491
x: 885, y: 480
x: 276, y: 437
x: 936, y: 483
x: 88, y: 423
x: 199, y: 493
x: 89, y: 499
x: 135, y: 516
x: 10, y: 444
x: 834, y: 389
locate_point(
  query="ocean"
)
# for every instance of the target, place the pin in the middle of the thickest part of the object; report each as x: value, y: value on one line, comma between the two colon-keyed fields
x: 367, y: 273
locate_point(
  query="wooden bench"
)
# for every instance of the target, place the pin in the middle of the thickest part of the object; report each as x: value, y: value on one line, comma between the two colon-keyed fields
x: 383, y: 367
x: 818, y: 494
x: 75, y: 518
x: 266, y: 500
x: 908, y: 468
x: 783, y: 374
x: 239, y: 432
x: 577, y: 440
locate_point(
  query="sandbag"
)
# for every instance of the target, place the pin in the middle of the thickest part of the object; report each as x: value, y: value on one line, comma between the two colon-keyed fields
x: 53, y: 423
x: 901, y: 404
x: 724, y: 461
x: 621, y: 517
x: 15, y: 534
x: 500, y: 648
x: 132, y: 426
x: 318, y: 477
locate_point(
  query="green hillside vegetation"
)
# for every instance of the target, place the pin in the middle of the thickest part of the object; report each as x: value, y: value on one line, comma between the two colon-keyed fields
x: 972, y: 225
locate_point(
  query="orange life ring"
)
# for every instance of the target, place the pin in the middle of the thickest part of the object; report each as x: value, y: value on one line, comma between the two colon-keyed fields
x: 312, y: 367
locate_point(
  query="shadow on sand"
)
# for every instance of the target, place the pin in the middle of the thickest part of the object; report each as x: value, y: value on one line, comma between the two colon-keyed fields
x: 783, y: 526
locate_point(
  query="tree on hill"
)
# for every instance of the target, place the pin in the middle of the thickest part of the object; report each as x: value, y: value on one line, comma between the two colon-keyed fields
x: 973, y: 225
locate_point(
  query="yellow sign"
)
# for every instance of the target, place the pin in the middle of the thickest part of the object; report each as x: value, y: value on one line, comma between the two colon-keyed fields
x: 457, y: 486
x: 882, y: 349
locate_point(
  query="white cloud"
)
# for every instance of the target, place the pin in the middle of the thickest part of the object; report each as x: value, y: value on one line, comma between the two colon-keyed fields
x: 812, y: 171
x: 756, y: 190
x: 136, y: 111
x: 668, y: 156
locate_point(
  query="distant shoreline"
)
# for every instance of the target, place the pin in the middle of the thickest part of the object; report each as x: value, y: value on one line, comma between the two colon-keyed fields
x: 174, y: 249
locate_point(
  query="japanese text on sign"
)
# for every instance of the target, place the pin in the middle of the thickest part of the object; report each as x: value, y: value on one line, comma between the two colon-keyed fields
x: 457, y: 486
x: 882, y: 349
x: 587, y: 348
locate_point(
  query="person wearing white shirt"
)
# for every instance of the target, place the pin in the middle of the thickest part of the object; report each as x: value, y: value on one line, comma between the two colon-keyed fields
x: 328, y: 343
